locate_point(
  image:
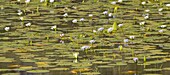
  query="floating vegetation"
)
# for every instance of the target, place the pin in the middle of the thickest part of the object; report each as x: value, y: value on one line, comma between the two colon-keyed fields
x: 84, y: 37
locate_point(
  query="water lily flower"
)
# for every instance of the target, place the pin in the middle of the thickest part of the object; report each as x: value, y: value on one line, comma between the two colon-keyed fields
x: 168, y: 5
x: 65, y: 15
x: 163, y: 26
x: 142, y: 23
x: 100, y: 29
x: 131, y: 37
x: 18, y: 0
x: 105, y: 12
x: 92, y: 41
x: 94, y: 31
x: 146, y: 17
x: 76, y: 54
x: 42, y: 0
x: 61, y: 41
x: 61, y: 35
x: 109, y: 30
x: 21, y: 18
x: 135, y: 59
x: 120, y: 1
x: 27, y: 1
x: 161, y: 31
x: 85, y: 47
x: 7, y: 28
x: 126, y: 40
x: 28, y: 24
x: 147, y: 10
x: 54, y: 27
x: 120, y: 25
x: 90, y: 15
x: 82, y: 19
x: 51, y: 1
x: 19, y: 13
x: 143, y: 3
x: 74, y: 21
x: 113, y: 3
x: 110, y: 14
x: 160, y: 9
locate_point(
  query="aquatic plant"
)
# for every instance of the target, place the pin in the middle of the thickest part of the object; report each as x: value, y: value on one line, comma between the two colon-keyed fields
x: 92, y: 41
x: 120, y: 47
x: 19, y: 12
x: 42, y: 1
x: 113, y: 3
x: 132, y: 37
x: 100, y: 29
x: 105, y: 12
x: 54, y: 27
x: 109, y: 30
x: 28, y: 24
x: 120, y: 1
x: 27, y: 1
x: 74, y: 21
x: 75, y: 54
x: 115, y: 26
x: 168, y: 5
x: 21, y: 18
x: 163, y: 26
x: 135, y: 59
x: 126, y: 40
x: 160, y: 9
x: 65, y: 15
x: 7, y: 28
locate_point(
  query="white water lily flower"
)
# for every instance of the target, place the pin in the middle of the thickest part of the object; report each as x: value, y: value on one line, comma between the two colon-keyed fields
x: 143, y: 3
x: 105, y: 12
x: 146, y: 17
x: 42, y: 0
x: 7, y: 28
x: 82, y: 19
x: 109, y: 30
x: 161, y: 31
x: 76, y: 54
x: 110, y: 15
x: 142, y: 23
x: 147, y: 10
x: 19, y: 13
x: 21, y: 18
x: 120, y: 25
x: 61, y: 41
x: 27, y: 1
x: 160, y: 9
x: 100, y: 29
x: 85, y: 47
x: 51, y: 1
x: 94, y: 31
x: 113, y: 2
x: 54, y: 27
x: 61, y: 35
x: 92, y: 41
x: 126, y: 40
x: 120, y: 1
x: 18, y: 0
x: 28, y: 24
x: 168, y: 5
x: 90, y: 15
x: 74, y: 21
x: 65, y: 15
x: 135, y: 59
x: 163, y: 26
x: 131, y: 37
